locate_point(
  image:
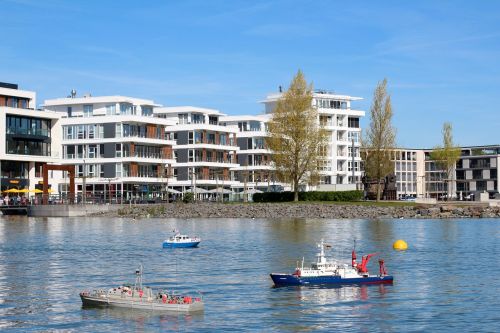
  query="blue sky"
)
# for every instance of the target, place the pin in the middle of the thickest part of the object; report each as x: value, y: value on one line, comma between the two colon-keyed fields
x: 440, y: 57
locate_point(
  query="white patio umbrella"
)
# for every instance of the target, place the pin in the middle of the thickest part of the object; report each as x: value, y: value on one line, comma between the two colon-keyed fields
x: 221, y: 190
x: 198, y: 190
x: 171, y: 190
x: 253, y: 191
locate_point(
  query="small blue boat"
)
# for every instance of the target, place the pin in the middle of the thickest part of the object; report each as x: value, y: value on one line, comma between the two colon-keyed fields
x: 324, y: 272
x: 179, y: 240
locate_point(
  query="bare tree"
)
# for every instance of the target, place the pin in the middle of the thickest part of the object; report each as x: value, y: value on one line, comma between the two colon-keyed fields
x: 446, y: 156
x: 295, y: 136
x: 380, y: 137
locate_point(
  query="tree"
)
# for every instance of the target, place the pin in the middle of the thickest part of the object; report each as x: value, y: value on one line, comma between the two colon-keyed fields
x: 380, y: 137
x: 446, y: 156
x: 295, y: 136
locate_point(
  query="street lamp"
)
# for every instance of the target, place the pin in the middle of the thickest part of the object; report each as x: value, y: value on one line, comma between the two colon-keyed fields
x: 109, y: 189
x: 193, y: 183
x: 84, y: 185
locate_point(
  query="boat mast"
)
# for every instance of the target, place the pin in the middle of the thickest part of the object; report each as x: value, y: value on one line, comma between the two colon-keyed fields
x: 138, y: 278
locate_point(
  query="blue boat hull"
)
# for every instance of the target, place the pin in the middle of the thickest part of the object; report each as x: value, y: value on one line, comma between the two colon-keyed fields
x: 282, y: 280
x: 179, y: 245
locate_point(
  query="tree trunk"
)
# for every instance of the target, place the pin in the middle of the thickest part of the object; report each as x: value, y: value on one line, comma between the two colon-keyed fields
x: 378, y: 190
x: 296, y: 190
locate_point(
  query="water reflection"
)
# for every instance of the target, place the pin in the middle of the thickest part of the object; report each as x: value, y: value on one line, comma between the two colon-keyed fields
x: 44, y: 263
x: 142, y: 319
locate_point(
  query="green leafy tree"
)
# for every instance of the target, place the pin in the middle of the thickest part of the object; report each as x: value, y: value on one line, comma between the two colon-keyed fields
x: 447, y: 155
x: 295, y: 136
x: 380, y: 137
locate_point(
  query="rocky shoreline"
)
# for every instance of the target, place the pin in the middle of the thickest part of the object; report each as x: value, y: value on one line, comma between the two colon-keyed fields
x: 301, y: 210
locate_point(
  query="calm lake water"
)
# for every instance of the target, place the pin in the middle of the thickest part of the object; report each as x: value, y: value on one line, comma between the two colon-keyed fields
x: 446, y: 281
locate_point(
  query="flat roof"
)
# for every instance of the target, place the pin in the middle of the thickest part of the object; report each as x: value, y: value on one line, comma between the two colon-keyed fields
x: 187, y: 108
x: 98, y: 100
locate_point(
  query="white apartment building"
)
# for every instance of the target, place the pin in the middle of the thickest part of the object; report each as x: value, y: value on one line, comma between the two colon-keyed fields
x: 255, y: 169
x: 29, y: 140
x: 341, y: 121
x: 205, y: 150
x: 120, y: 149
x: 409, y: 169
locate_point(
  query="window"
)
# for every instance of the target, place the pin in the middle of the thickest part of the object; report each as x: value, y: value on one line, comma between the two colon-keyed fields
x: 118, y: 130
x: 147, y: 111
x: 213, y: 120
x: 125, y: 108
x: 242, y: 126
x: 118, y: 150
x: 197, y: 118
x: 81, y: 132
x: 90, y: 170
x: 111, y: 109
x: 190, y: 138
x: 222, y: 139
x: 118, y: 170
x: 198, y: 137
x: 88, y: 110
x: 211, y: 138
x: 68, y: 132
x: 91, y: 131
x: 183, y: 118
x: 69, y: 111
x: 92, y: 151
x: 353, y: 136
x: 353, y: 122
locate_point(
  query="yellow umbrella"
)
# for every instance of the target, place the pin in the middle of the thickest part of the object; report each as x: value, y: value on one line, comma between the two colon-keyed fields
x: 11, y: 190
x: 40, y: 191
x: 25, y: 190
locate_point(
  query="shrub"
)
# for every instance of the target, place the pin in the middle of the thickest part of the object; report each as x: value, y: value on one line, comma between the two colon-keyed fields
x: 188, y: 197
x: 308, y: 196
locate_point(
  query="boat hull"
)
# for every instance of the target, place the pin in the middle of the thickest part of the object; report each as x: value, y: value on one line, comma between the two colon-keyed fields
x: 143, y: 305
x: 180, y: 245
x: 282, y: 280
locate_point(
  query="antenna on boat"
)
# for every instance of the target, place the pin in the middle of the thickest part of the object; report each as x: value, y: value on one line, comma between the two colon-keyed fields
x: 138, y: 278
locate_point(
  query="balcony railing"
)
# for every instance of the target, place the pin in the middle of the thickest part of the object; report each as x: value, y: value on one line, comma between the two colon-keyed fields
x: 143, y: 135
x: 145, y: 155
x: 214, y: 160
x: 26, y: 151
x: 28, y: 131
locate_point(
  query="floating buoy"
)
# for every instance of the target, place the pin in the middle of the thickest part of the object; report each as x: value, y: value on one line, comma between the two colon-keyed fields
x: 400, y: 245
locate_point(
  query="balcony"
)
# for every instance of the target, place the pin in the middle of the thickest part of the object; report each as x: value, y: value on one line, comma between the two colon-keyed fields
x: 26, y: 151
x: 28, y: 131
x: 212, y: 160
x: 146, y: 155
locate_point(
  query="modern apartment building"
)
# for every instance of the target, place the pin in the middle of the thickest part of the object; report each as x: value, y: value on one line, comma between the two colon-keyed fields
x: 255, y: 169
x: 120, y: 149
x: 342, y: 122
x: 27, y: 139
x: 409, y: 172
x: 477, y: 170
x: 205, y: 150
